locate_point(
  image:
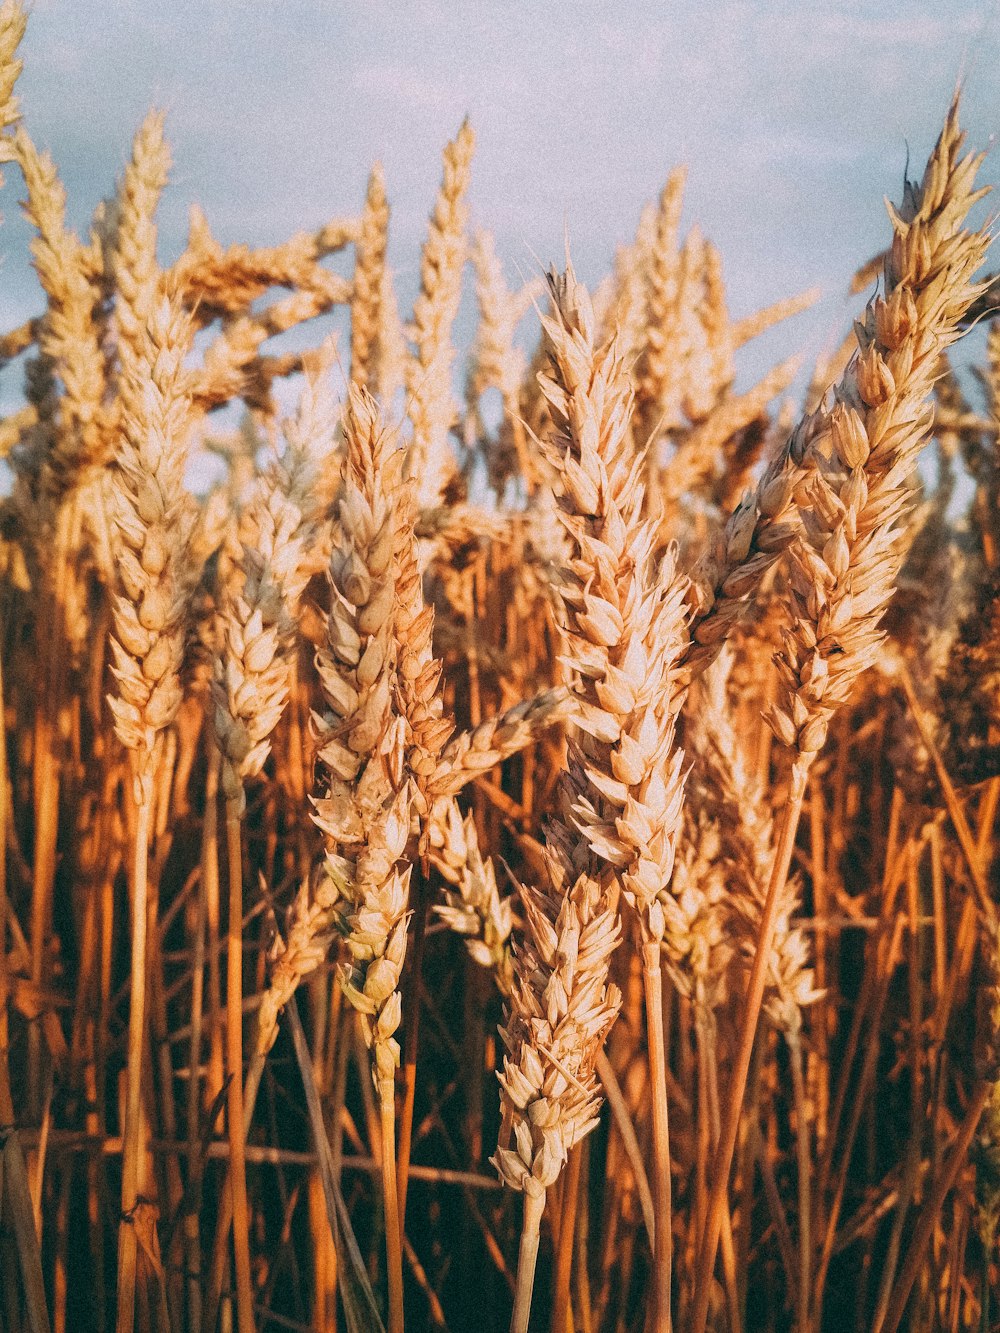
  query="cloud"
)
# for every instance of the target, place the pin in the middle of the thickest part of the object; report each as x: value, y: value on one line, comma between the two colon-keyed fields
x: 793, y: 114
x: 392, y: 80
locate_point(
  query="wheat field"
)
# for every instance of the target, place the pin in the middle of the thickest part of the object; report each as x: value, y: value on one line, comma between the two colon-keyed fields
x: 508, y: 840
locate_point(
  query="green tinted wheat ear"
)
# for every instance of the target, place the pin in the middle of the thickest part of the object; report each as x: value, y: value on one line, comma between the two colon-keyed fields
x: 856, y: 454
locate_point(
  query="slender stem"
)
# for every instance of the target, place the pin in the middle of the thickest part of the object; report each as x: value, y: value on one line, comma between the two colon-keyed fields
x: 630, y: 1142
x: 411, y: 1008
x: 393, y: 1238
x: 534, y: 1206
x: 930, y: 1214
x: 14, y: 1192
x: 234, y: 1050
x: 703, y: 1131
x: 821, y: 948
x: 225, y: 1216
x: 793, y: 1039
x: 777, y: 1208
x: 961, y: 825
x: 191, y: 1226
x: 582, y: 1229
x: 46, y: 773
x: 127, y: 1239
x: 875, y: 1010
x: 785, y: 843
x: 908, y: 1183
x: 567, y: 1233
x: 663, y: 1233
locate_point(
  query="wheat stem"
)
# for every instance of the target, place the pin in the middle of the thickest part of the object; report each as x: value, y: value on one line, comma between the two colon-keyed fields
x: 784, y: 845
x: 234, y: 1050
x: 127, y: 1239
x: 393, y: 1237
x: 794, y: 1042
x: 420, y: 890
x: 662, y: 1239
x: 567, y: 1233
x: 930, y: 1213
x: 534, y: 1206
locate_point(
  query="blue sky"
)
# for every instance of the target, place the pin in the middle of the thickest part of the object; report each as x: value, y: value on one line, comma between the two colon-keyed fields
x: 795, y: 118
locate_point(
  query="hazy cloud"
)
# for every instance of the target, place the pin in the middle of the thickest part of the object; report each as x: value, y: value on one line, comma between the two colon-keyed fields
x: 795, y: 117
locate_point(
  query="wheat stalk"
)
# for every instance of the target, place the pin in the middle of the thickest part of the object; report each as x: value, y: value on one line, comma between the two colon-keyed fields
x: 152, y: 520
x: 364, y: 812
x: 857, y: 455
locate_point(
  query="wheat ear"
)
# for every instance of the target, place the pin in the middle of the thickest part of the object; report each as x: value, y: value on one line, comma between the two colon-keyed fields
x: 149, y: 616
x: 498, y: 363
x: 561, y: 1008
x: 626, y: 632
x: 368, y: 284
x: 658, y: 389
x: 365, y: 812
x: 68, y: 332
x: 13, y: 21
x: 252, y: 676
x: 442, y: 261
x: 475, y: 908
x: 856, y: 456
